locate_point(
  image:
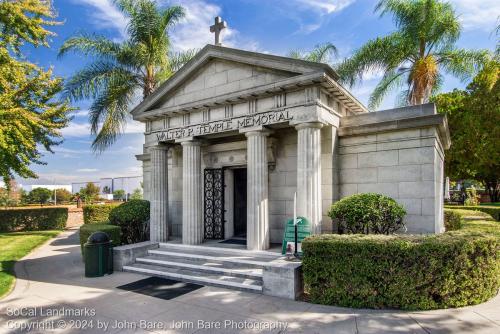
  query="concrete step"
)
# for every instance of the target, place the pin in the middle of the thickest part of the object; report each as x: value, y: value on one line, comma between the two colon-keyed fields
x: 218, y: 257
x: 197, y: 277
x: 220, y: 250
x: 202, y: 265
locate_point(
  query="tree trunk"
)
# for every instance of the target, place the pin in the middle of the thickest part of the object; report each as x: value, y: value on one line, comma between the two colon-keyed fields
x: 493, y: 188
x: 149, y: 81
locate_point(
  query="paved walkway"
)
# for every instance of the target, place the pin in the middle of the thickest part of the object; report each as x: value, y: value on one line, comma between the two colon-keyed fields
x: 51, y: 280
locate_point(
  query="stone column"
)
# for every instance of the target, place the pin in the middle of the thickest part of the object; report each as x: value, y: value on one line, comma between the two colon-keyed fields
x: 192, y: 223
x: 257, y: 190
x: 309, y: 201
x: 159, y: 194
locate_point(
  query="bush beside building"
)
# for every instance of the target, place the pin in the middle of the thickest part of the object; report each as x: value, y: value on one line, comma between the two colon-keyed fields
x: 453, y: 269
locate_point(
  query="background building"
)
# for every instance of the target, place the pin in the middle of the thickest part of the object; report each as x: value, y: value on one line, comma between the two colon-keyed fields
x: 127, y: 183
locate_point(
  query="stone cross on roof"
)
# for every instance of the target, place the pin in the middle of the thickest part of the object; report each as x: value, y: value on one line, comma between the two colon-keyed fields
x: 217, y: 28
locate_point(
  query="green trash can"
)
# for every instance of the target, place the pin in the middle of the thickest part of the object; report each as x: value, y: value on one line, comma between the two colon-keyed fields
x: 98, y: 255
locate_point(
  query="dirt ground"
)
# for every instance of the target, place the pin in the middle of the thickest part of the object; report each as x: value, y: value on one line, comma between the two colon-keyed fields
x: 75, y: 217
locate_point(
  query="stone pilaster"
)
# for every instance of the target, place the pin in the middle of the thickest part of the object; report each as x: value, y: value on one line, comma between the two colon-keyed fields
x: 309, y: 199
x: 192, y: 223
x: 257, y: 190
x: 159, y: 194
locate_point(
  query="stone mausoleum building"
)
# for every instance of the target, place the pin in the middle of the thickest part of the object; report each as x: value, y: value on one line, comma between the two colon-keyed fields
x: 234, y: 134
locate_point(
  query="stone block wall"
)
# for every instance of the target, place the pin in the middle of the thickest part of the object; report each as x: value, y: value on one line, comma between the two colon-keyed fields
x: 282, y: 182
x: 403, y: 160
x: 283, y: 179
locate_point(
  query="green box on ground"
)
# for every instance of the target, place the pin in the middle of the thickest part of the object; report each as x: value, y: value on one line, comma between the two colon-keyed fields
x: 303, y: 231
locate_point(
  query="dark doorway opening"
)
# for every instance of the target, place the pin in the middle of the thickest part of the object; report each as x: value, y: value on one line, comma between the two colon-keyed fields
x: 240, y: 202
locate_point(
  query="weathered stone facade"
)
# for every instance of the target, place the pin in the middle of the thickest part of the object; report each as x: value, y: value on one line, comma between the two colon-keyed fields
x: 293, y: 128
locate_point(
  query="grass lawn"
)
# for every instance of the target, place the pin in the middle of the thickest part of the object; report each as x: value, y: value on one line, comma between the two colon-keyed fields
x: 13, y: 246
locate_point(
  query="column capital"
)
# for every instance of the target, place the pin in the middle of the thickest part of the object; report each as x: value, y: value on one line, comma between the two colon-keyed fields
x: 160, y: 147
x: 192, y: 142
x: 313, y: 125
x: 256, y: 131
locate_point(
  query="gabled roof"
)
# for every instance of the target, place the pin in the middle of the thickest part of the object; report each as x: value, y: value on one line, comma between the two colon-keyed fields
x: 210, y: 52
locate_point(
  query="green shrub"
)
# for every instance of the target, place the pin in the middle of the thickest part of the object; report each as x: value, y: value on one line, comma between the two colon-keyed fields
x: 453, y: 269
x: 97, y: 213
x: 452, y: 220
x: 33, y: 219
x: 368, y: 213
x: 133, y: 219
x: 111, y: 230
x: 471, y: 197
x: 491, y: 210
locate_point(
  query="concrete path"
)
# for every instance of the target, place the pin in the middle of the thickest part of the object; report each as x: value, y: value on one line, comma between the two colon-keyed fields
x: 51, y: 280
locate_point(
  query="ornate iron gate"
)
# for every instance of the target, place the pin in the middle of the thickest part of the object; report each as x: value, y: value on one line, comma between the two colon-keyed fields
x: 214, y: 204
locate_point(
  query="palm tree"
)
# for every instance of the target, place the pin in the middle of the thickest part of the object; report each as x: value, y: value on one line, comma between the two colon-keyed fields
x: 320, y: 54
x: 120, y: 71
x: 417, y: 53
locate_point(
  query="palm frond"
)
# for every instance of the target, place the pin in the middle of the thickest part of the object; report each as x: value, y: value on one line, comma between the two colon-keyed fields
x: 94, y: 78
x: 296, y: 54
x: 463, y: 63
x: 178, y: 59
x: 381, y: 54
x: 322, y: 52
x: 171, y: 16
x: 90, y: 45
x: 391, y: 80
x: 108, y: 114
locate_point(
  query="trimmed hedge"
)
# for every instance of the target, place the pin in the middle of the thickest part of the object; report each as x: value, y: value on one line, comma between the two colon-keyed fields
x: 97, y: 213
x: 491, y: 210
x: 33, y: 219
x: 112, y: 231
x: 133, y: 219
x: 452, y: 269
x: 368, y: 213
x: 452, y: 220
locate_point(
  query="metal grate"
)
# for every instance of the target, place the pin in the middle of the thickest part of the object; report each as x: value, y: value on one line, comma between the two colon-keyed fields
x: 214, y: 204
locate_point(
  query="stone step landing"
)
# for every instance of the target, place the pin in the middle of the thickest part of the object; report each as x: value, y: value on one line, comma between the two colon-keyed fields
x: 221, y: 267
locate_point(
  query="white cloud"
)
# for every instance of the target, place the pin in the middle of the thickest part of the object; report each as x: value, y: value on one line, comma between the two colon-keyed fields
x: 87, y: 170
x: 476, y: 14
x: 311, y: 15
x: 76, y: 129
x: 194, y: 30
x: 326, y: 6
x: 79, y: 129
x: 106, y: 15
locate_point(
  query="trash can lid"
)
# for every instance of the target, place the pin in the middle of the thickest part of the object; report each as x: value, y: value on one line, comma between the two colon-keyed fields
x: 98, y: 238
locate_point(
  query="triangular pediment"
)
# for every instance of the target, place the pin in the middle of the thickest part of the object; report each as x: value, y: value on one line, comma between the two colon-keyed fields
x: 218, y: 71
x: 220, y: 77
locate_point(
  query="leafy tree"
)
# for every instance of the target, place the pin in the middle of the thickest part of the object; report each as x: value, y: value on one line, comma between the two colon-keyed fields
x: 106, y: 190
x: 90, y: 193
x: 30, y: 113
x: 4, y: 197
x: 474, y: 118
x: 119, y: 194
x: 63, y: 195
x: 320, y: 54
x: 40, y: 195
x: 118, y: 71
x: 136, y: 194
x: 416, y: 54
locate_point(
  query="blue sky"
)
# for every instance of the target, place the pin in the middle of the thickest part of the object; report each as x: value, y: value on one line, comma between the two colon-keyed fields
x: 272, y: 26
